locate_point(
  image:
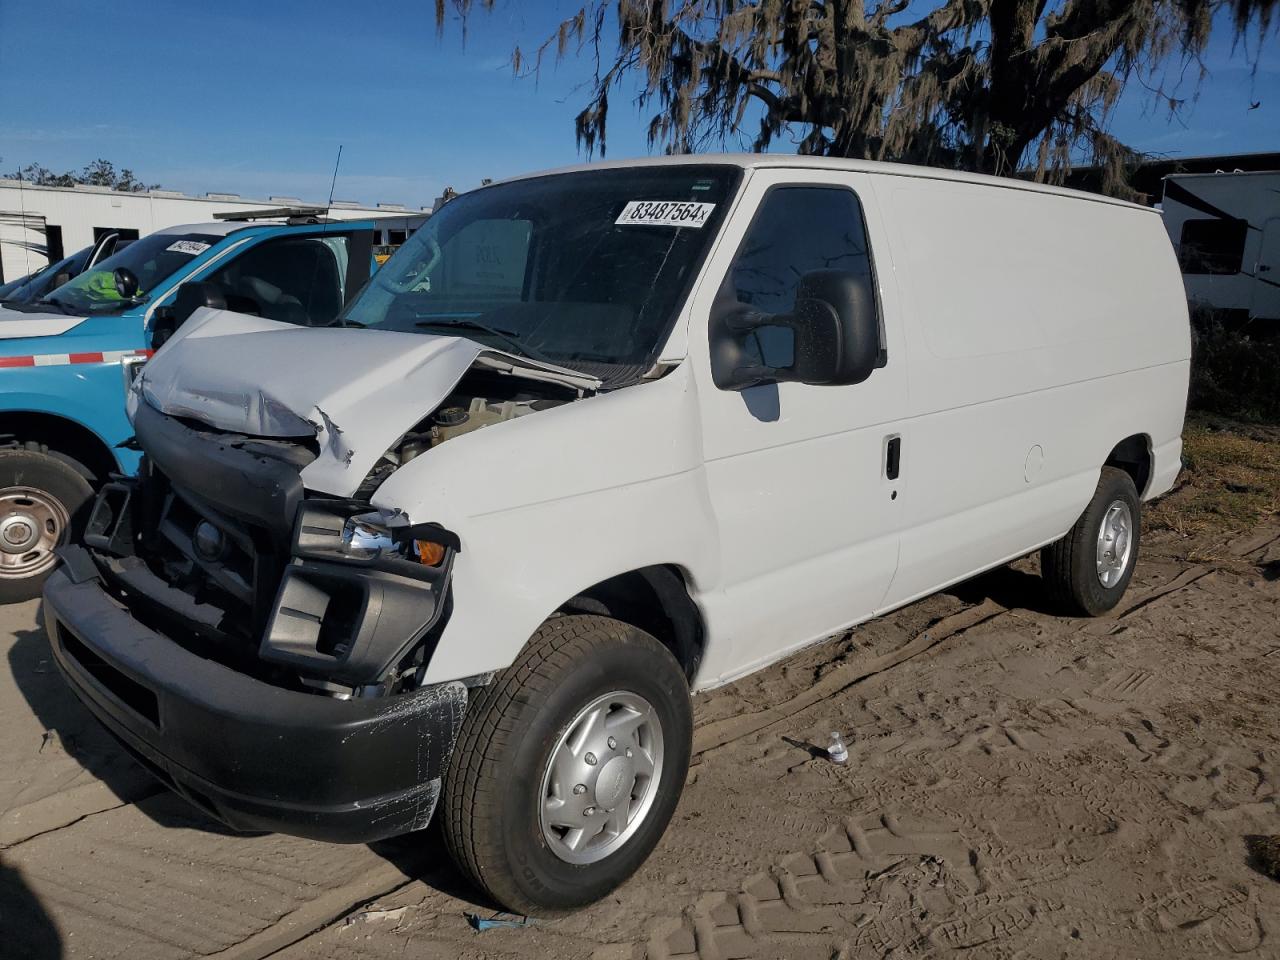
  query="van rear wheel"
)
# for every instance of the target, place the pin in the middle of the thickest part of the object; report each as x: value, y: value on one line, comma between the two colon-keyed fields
x: 568, y: 766
x: 1088, y: 570
x: 42, y: 505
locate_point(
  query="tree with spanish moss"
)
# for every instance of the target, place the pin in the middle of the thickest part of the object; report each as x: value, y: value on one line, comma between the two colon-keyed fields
x: 988, y: 85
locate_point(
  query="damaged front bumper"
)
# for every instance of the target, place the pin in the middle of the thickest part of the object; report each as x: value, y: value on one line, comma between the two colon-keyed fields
x: 254, y: 755
x: 216, y: 624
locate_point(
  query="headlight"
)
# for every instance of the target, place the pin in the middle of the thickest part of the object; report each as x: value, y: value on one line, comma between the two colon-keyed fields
x: 366, y: 536
x: 371, y: 535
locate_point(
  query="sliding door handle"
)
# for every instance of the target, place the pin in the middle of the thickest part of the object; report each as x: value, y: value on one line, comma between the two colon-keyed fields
x: 892, y: 457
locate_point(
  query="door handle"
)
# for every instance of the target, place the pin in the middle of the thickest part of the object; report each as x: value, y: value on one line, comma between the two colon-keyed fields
x: 892, y: 457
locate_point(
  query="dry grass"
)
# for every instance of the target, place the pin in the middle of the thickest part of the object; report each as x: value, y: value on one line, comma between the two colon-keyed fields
x: 1231, y: 480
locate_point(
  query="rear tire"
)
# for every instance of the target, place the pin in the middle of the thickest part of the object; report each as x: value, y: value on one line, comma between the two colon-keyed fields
x: 1088, y: 570
x: 43, y: 505
x: 566, y: 732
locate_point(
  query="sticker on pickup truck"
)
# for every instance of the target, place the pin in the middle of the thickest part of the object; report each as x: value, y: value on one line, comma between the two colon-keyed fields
x: 665, y: 213
x: 193, y: 247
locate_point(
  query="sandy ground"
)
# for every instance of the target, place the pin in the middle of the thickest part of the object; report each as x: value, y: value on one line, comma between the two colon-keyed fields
x: 1019, y: 785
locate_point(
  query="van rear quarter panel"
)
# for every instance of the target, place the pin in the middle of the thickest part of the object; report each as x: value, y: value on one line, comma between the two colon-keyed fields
x: 1042, y: 329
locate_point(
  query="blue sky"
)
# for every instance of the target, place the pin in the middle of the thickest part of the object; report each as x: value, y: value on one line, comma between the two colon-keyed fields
x: 255, y: 97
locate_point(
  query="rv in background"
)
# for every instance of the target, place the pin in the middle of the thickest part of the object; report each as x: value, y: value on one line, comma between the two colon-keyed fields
x: 1226, y: 229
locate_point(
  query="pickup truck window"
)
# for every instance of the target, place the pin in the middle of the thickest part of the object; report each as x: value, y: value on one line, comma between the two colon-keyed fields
x: 583, y: 269
x: 152, y: 260
x: 293, y: 279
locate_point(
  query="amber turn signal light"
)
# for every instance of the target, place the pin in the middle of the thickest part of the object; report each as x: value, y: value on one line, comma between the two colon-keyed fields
x: 430, y: 553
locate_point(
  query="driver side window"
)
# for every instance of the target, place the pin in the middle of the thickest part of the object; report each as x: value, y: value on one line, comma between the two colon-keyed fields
x: 798, y: 230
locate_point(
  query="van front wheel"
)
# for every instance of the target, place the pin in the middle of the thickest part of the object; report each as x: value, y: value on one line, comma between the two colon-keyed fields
x: 568, y: 766
x: 1088, y: 570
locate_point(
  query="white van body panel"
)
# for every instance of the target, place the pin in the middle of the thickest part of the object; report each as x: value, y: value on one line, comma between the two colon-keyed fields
x: 1008, y: 388
x: 361, y: 389
x: 1025, y: 378
x: 561, y: 501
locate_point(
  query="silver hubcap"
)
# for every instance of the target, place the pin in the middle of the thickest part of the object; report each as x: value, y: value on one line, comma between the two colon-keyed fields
x: 32, y: 523
x: 1115, y: 543
x: 602, y: 778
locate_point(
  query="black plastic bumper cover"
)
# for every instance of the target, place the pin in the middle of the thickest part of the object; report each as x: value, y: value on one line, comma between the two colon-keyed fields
x: 257, y: 757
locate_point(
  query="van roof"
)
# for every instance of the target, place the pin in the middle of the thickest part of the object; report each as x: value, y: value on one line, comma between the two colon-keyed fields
x: 798, y: 161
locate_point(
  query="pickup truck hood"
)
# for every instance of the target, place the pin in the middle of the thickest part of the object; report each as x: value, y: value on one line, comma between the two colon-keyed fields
x: 16, y: 324
x: 356, y: 391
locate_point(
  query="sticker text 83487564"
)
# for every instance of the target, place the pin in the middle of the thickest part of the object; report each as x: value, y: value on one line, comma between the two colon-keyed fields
x: 665, y: 213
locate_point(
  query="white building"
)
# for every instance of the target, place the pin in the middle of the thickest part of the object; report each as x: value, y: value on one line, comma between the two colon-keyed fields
x: 39, y: 225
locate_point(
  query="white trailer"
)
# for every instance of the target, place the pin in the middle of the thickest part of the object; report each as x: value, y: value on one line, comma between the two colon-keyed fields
x: 1226, y: 228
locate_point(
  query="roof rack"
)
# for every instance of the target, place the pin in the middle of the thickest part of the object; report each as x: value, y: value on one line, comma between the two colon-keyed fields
x: 292, y: 214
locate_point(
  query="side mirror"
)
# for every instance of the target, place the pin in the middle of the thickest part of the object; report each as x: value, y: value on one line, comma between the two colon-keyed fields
x: 126, y: 283
x: 190, y: 297
x: 830, y: 338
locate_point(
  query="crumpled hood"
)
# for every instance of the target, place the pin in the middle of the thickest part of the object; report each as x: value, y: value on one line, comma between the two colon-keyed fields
x: 15, y: 324
x: 356, y: 391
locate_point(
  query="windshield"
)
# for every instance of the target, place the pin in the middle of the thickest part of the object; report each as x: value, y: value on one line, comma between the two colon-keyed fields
x: 151, y: 260
x: 12, y: 285
x: 580, y: 269
x: 37, y: 284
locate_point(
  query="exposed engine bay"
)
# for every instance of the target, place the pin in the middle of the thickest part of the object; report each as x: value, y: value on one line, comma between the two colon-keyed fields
x: 480, y: 399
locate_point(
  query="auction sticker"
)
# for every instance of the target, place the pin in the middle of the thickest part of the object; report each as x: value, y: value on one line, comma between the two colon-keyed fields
x: 665, y: 213
x: 193, y: 247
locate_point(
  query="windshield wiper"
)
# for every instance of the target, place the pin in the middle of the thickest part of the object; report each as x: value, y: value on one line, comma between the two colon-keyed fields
x: 508, y: 337
x: 53, y: 303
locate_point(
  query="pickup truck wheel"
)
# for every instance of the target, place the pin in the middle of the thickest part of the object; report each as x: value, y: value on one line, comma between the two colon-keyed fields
x: 568, y: 766
x: 1089, y: 569
x: 42, y: 502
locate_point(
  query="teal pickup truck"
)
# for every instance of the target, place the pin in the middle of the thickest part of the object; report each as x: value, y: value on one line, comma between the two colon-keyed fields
x: 67, y: 359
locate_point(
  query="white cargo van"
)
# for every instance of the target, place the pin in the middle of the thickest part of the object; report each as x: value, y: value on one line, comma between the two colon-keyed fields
x: 590, y: 440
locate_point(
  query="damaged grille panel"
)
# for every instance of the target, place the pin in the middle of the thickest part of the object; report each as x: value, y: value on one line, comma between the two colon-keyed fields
x: 289, y: 597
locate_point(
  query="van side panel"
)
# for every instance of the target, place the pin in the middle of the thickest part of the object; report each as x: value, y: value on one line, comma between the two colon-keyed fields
x: 1043, y: 330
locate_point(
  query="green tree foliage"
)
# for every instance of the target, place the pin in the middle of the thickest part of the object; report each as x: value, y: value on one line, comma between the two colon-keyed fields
x: 100, y: 173
x: 987, y: 85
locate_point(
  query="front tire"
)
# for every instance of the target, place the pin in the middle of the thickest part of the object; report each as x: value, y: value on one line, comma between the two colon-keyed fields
x: 42, y: 505
x: 568, y: 766
x: 1088, y: 570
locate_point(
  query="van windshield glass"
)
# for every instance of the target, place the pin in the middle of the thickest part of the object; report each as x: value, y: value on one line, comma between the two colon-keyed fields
x: 580, y: 269
x: 152, y: 260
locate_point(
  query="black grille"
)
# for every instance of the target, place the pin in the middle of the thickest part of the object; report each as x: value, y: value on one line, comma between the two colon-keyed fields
x: 244, y: 491
x: 240, y: 577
